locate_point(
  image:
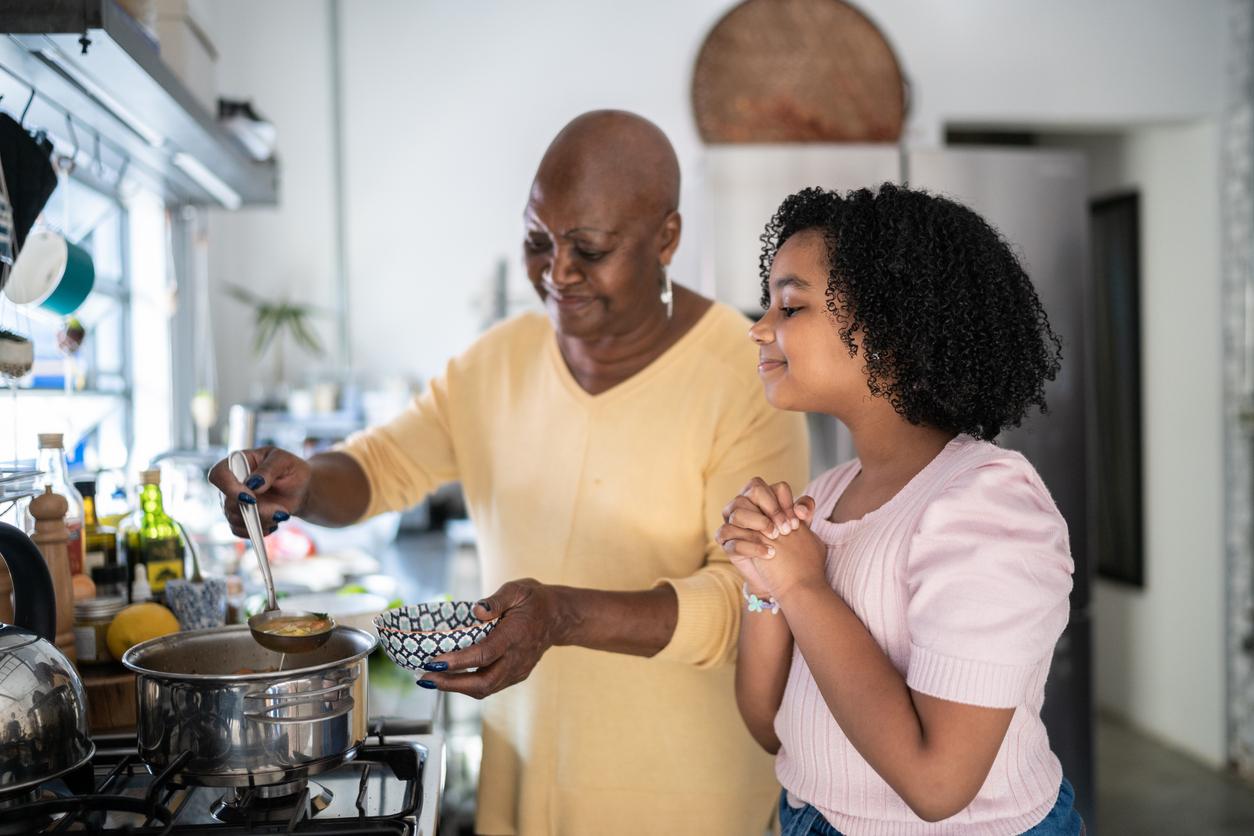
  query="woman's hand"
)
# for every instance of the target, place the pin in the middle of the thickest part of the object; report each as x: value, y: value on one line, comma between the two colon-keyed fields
x: 278, y: 484
x: 528, y: 617
x: 755, y: 520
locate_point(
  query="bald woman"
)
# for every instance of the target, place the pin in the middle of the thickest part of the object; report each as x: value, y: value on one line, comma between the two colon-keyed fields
x: 595, y: 445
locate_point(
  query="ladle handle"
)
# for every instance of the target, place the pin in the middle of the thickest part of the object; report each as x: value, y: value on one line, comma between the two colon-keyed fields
x: 238, y: 463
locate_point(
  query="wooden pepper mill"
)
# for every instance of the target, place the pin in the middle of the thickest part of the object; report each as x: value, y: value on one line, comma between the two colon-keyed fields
x: 51, y: 536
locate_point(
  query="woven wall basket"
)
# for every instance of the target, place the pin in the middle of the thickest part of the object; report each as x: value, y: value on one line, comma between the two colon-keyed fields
x: 797, y: 71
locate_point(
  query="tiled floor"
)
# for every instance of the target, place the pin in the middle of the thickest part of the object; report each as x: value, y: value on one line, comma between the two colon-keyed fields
x: 1146, y: 789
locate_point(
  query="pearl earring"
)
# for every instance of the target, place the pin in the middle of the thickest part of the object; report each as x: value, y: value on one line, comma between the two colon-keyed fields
x: 668, y: 294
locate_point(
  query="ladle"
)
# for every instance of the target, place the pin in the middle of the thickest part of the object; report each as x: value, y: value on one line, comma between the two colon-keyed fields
x: 263, y: 622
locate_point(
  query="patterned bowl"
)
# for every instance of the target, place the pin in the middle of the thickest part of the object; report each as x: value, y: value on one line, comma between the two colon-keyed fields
x: 411, y: 636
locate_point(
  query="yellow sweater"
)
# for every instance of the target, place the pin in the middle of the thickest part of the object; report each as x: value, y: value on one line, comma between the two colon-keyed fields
x: 619, y: 491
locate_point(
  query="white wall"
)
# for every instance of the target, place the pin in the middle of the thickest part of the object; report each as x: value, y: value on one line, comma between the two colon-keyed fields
x: 448, y: 107
x: 276, y: 53
x: 1159, y: 655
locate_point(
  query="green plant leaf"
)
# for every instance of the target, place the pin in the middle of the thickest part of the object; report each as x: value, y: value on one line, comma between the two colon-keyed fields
x: 300, y: 330
x: 243, y: 295
x: 267, y: 330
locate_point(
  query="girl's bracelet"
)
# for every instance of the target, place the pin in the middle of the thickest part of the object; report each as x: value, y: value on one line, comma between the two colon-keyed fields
x: 757, y: 604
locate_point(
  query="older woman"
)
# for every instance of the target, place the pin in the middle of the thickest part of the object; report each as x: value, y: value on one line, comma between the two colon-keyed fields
x: 595, y: 447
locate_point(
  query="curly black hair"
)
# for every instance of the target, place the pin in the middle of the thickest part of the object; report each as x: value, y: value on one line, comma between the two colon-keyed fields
x: 952, y: 331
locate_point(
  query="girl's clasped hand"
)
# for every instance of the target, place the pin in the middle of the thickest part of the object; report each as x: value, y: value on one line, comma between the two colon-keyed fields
x: 767, y: 536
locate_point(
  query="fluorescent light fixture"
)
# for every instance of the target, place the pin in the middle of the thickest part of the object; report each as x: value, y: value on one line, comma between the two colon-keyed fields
x: 207, y: 180
x: 126, y: 117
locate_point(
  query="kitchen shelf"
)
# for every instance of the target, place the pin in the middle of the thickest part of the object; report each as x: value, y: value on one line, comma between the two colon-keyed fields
x: 44, y: 408
x: 121, y: 90
x: 46, y: 391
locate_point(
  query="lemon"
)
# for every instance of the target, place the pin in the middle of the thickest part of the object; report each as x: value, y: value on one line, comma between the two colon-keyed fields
x: 139, y: 623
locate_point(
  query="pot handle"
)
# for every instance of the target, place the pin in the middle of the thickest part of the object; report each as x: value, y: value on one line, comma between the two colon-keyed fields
x: 34, y: 602
x: 275, y: 702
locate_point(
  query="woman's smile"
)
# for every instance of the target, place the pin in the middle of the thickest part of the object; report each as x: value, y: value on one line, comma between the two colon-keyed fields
x: 568, y: 301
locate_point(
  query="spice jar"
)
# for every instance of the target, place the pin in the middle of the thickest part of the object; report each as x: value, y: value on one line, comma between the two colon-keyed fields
x: 92, y: 618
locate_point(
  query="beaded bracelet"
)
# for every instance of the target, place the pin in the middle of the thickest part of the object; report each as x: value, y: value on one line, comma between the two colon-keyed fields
x: 757, y: 604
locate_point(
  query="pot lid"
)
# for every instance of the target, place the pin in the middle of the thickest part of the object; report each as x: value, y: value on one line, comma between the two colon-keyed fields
x: 99, y: 607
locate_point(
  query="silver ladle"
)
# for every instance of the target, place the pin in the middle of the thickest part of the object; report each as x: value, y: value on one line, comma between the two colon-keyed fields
x: 263, y: 623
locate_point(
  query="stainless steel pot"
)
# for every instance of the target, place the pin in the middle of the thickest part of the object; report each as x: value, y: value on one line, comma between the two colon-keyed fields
x: 265, y: 727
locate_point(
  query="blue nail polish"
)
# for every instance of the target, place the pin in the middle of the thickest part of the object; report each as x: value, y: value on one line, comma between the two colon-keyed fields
x: 281, y: 516
x: 244, y: 497
x: 435, y: 667
x: 254, y: 482
x: 428, y: 684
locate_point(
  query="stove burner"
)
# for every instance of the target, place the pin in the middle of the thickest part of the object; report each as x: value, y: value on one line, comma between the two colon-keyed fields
x: 294, y: 801
x: 378, y: 792
x: 15, y: 803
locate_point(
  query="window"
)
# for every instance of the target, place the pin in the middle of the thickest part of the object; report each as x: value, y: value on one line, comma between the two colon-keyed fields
x: 112, y: 398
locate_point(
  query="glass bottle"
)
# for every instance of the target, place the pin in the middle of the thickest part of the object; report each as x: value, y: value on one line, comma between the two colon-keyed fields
x: 100, y: 544
x: 55, y: 471
x: 128, y: 548
x: 159, y: 545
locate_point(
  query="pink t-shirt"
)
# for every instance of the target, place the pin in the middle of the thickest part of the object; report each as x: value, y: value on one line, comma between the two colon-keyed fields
x: 963, y: 579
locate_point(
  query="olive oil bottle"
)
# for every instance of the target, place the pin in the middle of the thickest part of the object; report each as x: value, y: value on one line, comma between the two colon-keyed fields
x: 151, y: 538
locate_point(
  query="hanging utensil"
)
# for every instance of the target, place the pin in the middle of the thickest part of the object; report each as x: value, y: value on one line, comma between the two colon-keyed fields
x: 272, y: 628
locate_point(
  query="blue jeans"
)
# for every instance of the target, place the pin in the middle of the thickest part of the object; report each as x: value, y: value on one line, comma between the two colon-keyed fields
x: 1062, y: 820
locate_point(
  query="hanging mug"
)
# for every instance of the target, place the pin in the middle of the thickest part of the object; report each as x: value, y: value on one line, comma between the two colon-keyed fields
x: 51, y: 273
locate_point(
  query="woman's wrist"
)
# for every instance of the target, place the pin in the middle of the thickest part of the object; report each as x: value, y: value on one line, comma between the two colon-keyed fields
x: 567, y: 614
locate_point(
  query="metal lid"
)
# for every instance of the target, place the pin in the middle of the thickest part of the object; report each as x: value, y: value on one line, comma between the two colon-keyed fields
x: 49, y: 440
x: 12, y: 637
x: 93, y: 608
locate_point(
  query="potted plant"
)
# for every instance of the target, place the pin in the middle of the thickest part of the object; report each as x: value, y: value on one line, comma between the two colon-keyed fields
x: 274, y: 323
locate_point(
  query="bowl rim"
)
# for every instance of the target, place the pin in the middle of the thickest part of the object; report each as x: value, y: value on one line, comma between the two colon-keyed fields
x: 384, y: 628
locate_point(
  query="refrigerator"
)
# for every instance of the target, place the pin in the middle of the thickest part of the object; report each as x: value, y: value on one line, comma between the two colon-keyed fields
x: 1038, y: 199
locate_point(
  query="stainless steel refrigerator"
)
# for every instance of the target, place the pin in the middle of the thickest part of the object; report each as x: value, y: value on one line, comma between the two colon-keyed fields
x: 1038, y: 199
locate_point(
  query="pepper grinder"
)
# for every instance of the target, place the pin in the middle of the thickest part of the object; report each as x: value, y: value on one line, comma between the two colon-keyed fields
x: 51, y: 537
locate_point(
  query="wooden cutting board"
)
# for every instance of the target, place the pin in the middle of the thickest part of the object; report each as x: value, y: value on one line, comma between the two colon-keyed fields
x: 797, y: 71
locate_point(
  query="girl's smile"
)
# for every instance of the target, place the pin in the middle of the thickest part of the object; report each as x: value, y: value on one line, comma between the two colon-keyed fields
x: 766, y: 364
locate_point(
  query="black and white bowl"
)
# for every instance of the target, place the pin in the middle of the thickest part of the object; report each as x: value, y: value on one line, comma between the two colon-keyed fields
x: 412, y: 636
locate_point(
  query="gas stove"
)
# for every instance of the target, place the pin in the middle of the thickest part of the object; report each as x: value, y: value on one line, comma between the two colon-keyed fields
x: 392, y: 786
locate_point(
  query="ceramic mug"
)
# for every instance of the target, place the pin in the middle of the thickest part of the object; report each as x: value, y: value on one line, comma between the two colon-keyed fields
x: 51, y: 273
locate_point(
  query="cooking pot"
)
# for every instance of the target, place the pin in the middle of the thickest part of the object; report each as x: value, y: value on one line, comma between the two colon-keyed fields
x: 43, y: 717
x: 245, y: 715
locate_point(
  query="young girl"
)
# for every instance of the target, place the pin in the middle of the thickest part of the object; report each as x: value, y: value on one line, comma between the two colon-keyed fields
x: 902, y: 616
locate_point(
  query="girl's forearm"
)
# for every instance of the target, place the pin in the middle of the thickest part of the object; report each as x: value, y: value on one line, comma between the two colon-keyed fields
x: 763, y: 659
x: 868, y: 698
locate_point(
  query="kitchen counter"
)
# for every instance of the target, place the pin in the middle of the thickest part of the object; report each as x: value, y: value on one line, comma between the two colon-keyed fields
x: 397, y: 705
